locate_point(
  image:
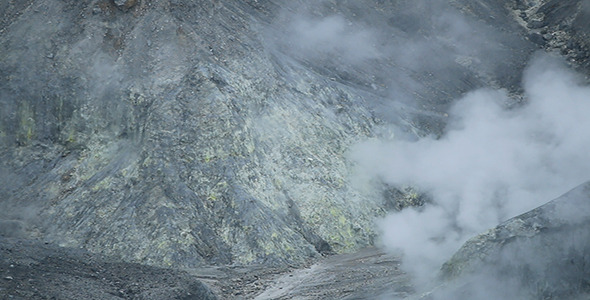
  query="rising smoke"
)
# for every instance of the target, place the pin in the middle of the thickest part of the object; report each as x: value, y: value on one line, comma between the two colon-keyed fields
x: 493, y: 163
x: 331, y: 36
x: 494, y: 160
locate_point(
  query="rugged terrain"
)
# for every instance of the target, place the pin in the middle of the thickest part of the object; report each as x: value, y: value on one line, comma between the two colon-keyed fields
x: 214, y: 135
x: 32, y: 270
x: 541, y: 254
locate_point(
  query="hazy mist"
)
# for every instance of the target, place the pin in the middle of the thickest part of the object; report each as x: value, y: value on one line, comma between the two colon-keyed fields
x: 499, y: 155
x: 451, y: 109
x: 493, y: 163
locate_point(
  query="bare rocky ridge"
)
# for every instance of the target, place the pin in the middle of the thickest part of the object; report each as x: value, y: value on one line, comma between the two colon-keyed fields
x: 541, y: 254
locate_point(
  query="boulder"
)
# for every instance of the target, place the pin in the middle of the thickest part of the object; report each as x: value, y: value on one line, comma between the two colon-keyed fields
x: 125, y: 4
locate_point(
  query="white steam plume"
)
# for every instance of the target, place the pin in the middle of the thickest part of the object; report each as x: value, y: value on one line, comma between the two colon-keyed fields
x: 331, y: 36
x: 493, y: 163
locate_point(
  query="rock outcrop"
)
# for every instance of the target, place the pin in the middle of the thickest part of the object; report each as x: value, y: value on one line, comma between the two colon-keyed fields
x: 541, y: 254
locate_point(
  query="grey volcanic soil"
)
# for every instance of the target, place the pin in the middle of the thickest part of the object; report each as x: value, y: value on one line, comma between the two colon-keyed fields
x: 35, y: 270
x: 361, y: 275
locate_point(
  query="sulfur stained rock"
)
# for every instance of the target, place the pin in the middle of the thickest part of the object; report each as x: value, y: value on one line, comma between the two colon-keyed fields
x: 36, y: 270
x: 190, y: 133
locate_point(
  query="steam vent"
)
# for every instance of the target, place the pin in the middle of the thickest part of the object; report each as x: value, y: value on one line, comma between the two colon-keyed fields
x: 266, y: 149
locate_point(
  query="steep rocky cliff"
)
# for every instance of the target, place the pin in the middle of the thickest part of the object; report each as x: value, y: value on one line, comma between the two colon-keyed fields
x: 182, y: 133
x: 165, y: 134
x: 187, y: 133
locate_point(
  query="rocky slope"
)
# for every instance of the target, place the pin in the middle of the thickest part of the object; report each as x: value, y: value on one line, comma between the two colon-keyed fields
x: 541, y: 254
x: 31, y: 270
x: 164, y: 134
x: 192, y: 133
x: 181, y: 133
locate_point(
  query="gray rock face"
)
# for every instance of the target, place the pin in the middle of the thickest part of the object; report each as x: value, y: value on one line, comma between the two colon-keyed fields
x: 562, y: 25
x: 182, y: 133
x: 126, y: 4
x: 542, y: 254
x: 166, y: 135
x: 556, y: 26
